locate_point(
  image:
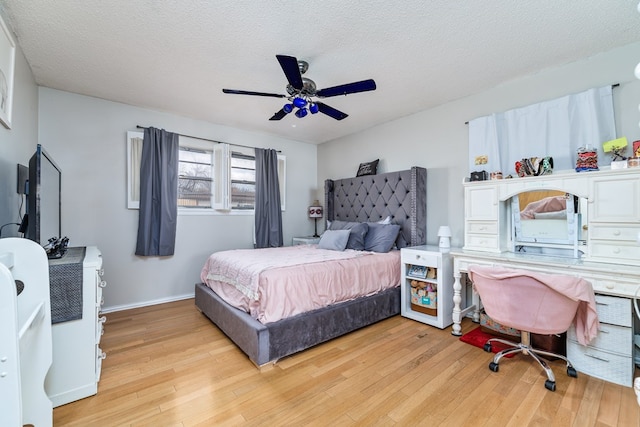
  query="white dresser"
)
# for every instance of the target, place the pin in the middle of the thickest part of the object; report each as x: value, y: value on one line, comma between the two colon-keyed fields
x: 77, y: 357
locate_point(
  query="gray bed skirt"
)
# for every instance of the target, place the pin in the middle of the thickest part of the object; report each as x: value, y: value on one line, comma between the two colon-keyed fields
x: 268, y: 343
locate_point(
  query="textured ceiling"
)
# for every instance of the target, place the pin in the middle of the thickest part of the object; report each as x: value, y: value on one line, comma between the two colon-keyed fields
x: 176, y: 56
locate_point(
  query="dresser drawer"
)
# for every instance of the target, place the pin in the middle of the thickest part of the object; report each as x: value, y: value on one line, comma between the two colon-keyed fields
x: 616, y: 251
x: 615, y: 287
x: 482, y: 227
x: 482, y: 242
x: 624, y: 232
x: 100, y: 356
x: 611, y: 338
x: 614, y: 310
x: 100, y: 327
x: 600, y: 364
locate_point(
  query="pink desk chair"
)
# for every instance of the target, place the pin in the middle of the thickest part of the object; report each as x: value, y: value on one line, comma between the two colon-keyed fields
x: 535, y: 303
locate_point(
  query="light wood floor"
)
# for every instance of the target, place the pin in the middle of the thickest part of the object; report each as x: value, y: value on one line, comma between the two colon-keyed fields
x: 167, y: 365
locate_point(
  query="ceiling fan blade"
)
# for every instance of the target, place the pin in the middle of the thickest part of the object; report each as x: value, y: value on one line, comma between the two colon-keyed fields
x: 279, y: 115
x: 331, y: 112
x: 291, y: 69
x: 248, y: 92
x: 362, y: 86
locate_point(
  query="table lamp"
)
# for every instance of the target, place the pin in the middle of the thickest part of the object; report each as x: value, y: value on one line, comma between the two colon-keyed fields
x: 444, y: 233
x: 315, y: 212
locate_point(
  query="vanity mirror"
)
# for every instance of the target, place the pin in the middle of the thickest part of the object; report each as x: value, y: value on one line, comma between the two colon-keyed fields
x: 548, y: 222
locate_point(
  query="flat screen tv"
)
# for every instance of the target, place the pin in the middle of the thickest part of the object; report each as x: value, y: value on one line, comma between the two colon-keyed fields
x: 43, y: 198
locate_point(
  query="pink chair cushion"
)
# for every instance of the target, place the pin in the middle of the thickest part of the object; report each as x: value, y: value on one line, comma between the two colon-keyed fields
x: 537, y: 302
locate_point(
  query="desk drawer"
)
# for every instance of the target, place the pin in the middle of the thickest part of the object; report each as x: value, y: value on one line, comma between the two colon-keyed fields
x: 614, y: 310
x: 600, y: 364
x: 611, y: 338
x: 616, y: 251
x: 482, y: 227
x: 482, y: 242
x: 628, y: 232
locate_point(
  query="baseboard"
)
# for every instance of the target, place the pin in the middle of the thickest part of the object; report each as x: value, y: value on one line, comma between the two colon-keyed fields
x: 146, y: 303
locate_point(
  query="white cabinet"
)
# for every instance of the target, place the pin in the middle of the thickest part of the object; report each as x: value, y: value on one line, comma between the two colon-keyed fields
x: 610, y: 355
x: 426, y: 290
x: 614, y: 218
x: 77, y: 357
x: 482, y: 218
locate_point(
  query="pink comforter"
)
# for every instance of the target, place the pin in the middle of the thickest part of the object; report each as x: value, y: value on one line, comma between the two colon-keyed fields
x: 279, y: 283
x: 576, y: 289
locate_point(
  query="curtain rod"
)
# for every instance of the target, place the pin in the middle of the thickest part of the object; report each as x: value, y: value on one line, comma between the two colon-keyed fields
x: 207, y: 139
x: 612, y: 86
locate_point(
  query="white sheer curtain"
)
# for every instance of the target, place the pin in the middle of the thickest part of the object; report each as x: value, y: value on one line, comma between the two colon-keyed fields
x: 555, y: 128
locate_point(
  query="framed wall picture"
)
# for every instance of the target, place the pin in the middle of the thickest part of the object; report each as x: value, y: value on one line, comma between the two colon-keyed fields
x: 7, y: 68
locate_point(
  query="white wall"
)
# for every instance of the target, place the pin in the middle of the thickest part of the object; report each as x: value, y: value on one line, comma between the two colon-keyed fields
x: 18, y: 143
x: 87, y: 138
x: 437, y: 139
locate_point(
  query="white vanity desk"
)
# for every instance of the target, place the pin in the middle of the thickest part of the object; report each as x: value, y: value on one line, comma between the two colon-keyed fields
x: 611, y: 259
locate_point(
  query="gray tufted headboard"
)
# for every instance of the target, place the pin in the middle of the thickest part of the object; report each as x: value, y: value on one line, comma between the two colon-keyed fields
x: 401, y: 195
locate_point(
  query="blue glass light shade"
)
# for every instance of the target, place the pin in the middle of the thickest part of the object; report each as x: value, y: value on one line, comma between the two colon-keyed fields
x: 301, y: 113
x: 313, y: 108
x: 287, y: 108
x: 299, y: 102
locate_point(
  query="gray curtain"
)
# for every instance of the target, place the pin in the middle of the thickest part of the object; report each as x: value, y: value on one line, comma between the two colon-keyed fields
x: 158, y: 193
x: 268, y: 213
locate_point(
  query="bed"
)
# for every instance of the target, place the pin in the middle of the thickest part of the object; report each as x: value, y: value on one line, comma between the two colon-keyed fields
x: 400, y: 196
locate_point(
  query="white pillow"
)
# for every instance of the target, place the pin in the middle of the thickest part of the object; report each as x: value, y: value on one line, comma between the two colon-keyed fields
x: 387, y: 220
x: 334, y: 240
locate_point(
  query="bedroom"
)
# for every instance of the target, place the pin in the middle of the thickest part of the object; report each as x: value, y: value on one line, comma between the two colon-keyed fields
x: 86, y: 135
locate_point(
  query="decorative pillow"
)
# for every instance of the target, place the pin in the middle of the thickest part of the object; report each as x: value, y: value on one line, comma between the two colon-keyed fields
x: 357, y: 235
x: 370, y: 168
x: 381, y: 237
x: 387, y: 220
x: 334, y: 240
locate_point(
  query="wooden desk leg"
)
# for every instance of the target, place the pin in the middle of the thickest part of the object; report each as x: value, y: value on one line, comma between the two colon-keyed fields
x: 457, y: 299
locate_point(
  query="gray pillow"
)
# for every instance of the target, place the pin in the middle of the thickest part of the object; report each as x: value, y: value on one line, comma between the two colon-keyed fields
x: 334, y: 240
x: 357, y: 235
x: 381, y: 237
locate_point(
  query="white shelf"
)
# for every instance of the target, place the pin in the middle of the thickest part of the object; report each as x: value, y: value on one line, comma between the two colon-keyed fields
x: 434, y: 305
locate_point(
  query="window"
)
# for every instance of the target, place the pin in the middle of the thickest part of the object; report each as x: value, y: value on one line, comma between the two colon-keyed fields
x: 195, y: 176
x: 212, y: 177
x: 243, y: 181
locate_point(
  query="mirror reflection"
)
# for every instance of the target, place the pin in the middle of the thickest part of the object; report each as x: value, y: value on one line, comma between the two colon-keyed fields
x: 548, y: 221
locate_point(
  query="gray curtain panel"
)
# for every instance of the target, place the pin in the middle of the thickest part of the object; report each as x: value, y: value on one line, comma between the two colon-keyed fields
x: 158, y: 212
x: 267, y: 211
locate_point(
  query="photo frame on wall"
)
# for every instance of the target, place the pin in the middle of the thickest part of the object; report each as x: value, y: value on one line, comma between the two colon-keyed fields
x: 7, y: 69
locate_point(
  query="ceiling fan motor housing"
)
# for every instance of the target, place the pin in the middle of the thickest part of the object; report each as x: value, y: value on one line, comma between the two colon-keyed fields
x: 301, y: 90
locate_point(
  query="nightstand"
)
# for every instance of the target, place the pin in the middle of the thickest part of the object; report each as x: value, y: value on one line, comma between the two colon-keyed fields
x: 306, y: 240
x: 427, y: 285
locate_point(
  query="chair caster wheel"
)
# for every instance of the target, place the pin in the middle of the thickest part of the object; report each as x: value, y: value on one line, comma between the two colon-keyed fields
x: 571, y: 371
x: 494, y: 366
x: 550, y: 385
x: 487, y: 347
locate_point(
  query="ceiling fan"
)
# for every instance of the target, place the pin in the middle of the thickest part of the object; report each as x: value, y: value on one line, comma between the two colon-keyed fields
x: 301, y: 91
